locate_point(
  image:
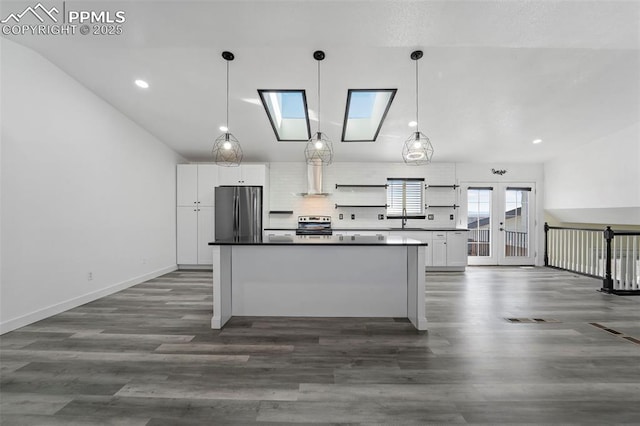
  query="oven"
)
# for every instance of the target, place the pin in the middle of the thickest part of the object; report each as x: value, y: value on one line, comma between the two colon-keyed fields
x: 314, y: 225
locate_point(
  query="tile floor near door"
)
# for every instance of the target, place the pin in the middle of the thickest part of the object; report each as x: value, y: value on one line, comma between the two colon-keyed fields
x: 146, y: 356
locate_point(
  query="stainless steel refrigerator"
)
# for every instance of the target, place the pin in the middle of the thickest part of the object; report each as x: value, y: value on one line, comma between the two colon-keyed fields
x: 238, y: 213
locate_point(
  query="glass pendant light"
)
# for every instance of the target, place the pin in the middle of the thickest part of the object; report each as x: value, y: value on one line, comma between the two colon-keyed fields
x: 417, y: 149
x: 319, y: 149
x: 226, y: 148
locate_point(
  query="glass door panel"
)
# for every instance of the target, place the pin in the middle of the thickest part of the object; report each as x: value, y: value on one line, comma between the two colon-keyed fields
x: 516, y: 226
x: 479, y: 221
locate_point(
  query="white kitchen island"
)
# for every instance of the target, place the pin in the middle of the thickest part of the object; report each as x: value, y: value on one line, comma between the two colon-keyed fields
x: 319, y: 276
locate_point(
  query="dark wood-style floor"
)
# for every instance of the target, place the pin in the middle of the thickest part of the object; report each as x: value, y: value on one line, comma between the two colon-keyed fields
x: 147, y: 356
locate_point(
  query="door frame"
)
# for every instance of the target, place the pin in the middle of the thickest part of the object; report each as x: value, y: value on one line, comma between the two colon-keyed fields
x: 497, y: 237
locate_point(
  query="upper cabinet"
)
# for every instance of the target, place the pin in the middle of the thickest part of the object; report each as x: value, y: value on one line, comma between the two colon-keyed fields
x: 195, y: 183
x: 244, y: 175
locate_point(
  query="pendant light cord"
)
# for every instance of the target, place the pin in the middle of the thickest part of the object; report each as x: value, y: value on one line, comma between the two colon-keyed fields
x: 417, y: 126
x: 318, y: 96
x: 227, y: 97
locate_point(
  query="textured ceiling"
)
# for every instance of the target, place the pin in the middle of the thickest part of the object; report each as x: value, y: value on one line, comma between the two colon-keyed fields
x: 495, y: 75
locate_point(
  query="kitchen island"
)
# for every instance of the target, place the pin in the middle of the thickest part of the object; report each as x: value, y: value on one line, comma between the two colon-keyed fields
x: 319, y: 276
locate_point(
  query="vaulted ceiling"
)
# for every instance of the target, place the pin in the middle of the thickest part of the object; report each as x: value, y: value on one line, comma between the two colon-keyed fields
x: 495, y: 74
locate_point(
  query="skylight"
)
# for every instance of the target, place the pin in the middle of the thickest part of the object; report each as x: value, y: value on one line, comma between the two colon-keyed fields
x: 287, y: 112
x: 365, y: 113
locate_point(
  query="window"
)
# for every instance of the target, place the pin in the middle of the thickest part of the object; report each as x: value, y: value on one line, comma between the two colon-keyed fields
x: 287, y: 112
x: 404, y: 198
x: 365, y: 113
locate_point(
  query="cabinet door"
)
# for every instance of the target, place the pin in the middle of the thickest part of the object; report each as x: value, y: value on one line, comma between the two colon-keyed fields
x: 205, y: 235
x: 207, y: 180
x: 187, y: 236
x: 457, y: 248
x: 279, y: 233
x: 229, y: 175
x: 439, y: 249
x: 253, y: 174
x: 187, y: 184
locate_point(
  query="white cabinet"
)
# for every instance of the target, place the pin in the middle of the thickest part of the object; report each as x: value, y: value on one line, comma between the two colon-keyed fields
x: 457, y: 248
x: 279, y: 232
x: 194, y: 214
x: 439, y: 249
x: 195, y: 183
x: 187, y: 184
x: 446, y: 250
x: 195, y: 231
x: 245, y: 174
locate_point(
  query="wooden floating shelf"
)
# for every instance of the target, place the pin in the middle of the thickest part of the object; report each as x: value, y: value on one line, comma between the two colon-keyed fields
x: 360, y: 186
x: 281, y: 212
x: 380, y: 206
x: 452, y: 206
x: 441, y: 186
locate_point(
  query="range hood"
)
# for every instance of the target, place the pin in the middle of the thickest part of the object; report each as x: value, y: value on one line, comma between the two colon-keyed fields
x: 314, y: 180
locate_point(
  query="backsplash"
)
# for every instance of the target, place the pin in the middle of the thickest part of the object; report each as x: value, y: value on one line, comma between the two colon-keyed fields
x: 288, y: 180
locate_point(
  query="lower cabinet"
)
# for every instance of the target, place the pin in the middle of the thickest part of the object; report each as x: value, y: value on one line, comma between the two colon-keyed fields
x: 446, y: 250
x: 194, y: 232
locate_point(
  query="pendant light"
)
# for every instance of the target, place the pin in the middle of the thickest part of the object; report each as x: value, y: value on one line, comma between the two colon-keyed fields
x: 319, y: 150
x: 226, y: 148
x: 417, y: 150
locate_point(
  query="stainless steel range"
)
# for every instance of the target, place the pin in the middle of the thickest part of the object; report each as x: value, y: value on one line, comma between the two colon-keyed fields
x: 314, y: 225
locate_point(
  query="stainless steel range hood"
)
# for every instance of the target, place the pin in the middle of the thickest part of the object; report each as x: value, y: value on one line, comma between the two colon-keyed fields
x: 314, y: 180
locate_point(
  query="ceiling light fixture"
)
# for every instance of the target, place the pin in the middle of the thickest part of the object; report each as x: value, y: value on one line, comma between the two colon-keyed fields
x: 417, y: 149
x: 226, y: 148
x: 223, y: 129
x: 141, y: 83
x: 412, y: 124
x: 319, y: 149
x: 536, y: 141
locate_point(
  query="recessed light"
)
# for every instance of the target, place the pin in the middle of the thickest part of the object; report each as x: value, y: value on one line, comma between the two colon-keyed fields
x: 143, y: 84
x: 224, y: 129
x: 537, y: 140
x: 412, y: 124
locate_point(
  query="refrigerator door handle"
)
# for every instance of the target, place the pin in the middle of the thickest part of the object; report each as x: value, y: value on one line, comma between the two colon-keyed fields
x: 236, y: 214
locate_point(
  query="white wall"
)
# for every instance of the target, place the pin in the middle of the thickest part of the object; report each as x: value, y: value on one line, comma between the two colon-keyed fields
x: 289, y: 179
x: 84, y: 189
x: 598, y: 184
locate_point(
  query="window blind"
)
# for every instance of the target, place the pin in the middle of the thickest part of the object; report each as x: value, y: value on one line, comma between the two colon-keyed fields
x: 406, y: 194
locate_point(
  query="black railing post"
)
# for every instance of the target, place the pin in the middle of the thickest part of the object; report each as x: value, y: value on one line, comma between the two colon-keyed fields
x: 546, y: 244
x: 607, y: 282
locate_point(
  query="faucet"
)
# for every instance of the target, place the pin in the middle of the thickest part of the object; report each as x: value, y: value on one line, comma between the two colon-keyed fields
x: 404, y: 217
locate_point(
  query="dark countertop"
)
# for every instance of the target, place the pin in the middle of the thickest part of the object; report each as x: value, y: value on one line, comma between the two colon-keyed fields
x: 375, y: 229
x: 323, y: 240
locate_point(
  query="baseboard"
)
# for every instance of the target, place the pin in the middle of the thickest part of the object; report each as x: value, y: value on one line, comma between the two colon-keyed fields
x: 41, y: 314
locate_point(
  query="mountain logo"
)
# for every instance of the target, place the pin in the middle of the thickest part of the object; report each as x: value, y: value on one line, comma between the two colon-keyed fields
x: 38, y: 11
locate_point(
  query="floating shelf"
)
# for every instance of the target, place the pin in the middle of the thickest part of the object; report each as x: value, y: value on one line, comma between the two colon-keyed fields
x: 441, y: 186
x: 281, y: 212
x: 380, y: 206
x: 452, y: 206
x: 360, y: 186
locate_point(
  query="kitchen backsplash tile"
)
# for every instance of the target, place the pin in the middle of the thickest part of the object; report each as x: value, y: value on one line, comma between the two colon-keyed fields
x: 288, y: 180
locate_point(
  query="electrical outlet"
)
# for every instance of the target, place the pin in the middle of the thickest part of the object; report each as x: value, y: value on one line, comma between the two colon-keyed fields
x: 89, y: 276
x: 353, y: 216
x: 450, y: 217
x: 430, y: 216
x: 340, y: 216
x: 380, y: 217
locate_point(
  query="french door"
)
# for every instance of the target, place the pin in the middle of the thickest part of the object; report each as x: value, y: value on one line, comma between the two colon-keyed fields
x: 500, y: 218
